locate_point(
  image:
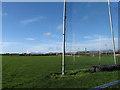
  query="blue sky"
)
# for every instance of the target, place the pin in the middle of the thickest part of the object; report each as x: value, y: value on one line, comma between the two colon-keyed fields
x: 37, y: 27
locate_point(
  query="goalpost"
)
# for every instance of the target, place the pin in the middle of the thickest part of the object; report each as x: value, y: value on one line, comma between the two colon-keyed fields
x: 112, y: 32
x: 64, y: 30
x: 64, y: 36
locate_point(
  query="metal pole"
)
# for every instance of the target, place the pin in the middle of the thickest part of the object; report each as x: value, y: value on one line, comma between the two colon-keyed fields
x: 112, y: 32
x: 64, y: 30
x: 73, y: 46
x: 85, y: 51
x: 99, y: 48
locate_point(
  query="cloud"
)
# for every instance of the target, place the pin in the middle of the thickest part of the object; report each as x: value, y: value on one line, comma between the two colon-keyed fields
x: 103, y: 43
x: 46, y: 48
x: 85, y: 17
x: 74, y: 11
x: 47, y: 34
x: 14, y: 47
x: 7, y: 44
x: 17, y: 47
x: 60, y: 27
x: 94, y: 42
x: 87, y: 37
x: 29, y: 39
x: 3, y: 14
x: 31, y: 20
x: 89, y: 5
x: 93, y: 36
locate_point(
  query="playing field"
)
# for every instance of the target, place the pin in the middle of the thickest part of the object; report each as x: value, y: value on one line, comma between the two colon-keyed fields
x: 38, y: 72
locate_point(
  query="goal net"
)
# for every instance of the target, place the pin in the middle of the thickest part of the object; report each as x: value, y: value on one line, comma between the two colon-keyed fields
x: 88, y: 35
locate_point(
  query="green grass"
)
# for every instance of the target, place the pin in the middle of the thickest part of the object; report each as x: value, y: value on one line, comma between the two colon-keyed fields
x: 37, y: 72
x: 115, y: 86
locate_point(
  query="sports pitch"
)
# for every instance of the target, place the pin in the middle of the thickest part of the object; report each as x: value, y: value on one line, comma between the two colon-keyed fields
x: 38, y: 72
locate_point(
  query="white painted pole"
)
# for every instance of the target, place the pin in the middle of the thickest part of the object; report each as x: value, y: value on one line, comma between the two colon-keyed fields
x: 74, y: 58
x: 112, y: 32
x: 74, y: 47
x: 99, y: 48
x: 64, y: 30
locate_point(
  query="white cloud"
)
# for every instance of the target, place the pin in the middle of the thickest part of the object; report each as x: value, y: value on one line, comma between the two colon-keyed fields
x: 7, y: 44
x: 89, y: 5
x: 31, y: 20
x: 87, y: 37
x: 103, y: 43
x: 60, y: 27
x: 12, y: 47
x: 94, y: 42
x: 3, y: 14
x: 47, y: 34
x: 93, y: 36
x: 29, y: 39
x: 46, y: 48
x: 23, y: 47
x: 85, y: 17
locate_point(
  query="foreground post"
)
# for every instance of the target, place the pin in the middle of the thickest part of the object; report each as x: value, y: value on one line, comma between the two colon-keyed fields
x: 112, y: 32
x: 64, y: 30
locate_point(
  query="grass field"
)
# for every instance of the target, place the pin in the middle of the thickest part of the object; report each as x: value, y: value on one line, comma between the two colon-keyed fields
x: 37, y: 72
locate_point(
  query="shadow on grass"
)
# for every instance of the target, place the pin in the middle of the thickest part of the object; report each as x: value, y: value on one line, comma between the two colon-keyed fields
x: 76, y: 72
x: 70, y: 73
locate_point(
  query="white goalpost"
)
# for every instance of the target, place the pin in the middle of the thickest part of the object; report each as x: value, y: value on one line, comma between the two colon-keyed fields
x: 112, y: 32
x: 64, y: 37
x: 64, y: 30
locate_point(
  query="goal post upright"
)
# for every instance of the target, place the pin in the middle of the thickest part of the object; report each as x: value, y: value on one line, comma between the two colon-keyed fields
x: 112, y: 32
x: 64, y: 31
